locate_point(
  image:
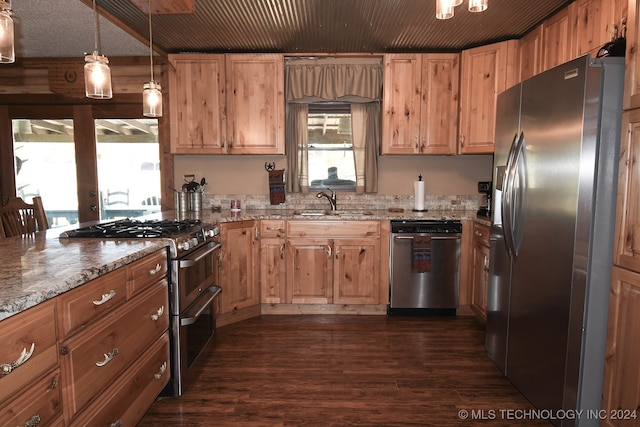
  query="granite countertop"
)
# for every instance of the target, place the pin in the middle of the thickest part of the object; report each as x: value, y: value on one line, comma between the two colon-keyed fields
x: 42, y: 266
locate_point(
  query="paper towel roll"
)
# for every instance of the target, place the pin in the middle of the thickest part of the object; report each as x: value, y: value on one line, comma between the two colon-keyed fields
x: 418, y: 190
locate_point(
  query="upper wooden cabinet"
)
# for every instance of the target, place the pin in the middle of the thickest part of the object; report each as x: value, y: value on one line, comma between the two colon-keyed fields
x: 486, y: 72
x: 559, y: 38
x: 420, y: 105
x: 255, y: 103
x: 530, y: 54
x: 632, y: 68
x: 227, y: 104
x: 197, y: 104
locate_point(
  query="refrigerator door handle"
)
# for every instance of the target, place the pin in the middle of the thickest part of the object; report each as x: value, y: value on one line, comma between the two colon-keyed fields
x: 506, y: 199
x: 509, y: 199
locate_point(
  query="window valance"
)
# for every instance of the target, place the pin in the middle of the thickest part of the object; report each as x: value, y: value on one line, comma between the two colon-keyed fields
x: 324, y: 80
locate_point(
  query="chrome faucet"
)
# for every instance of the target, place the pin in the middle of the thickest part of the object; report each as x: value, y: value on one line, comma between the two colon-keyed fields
x: 332, y: 199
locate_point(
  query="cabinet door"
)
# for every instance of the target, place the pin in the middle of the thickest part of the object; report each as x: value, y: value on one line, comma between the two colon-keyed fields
x: 479, y: 279
x: 439, y: 106
x: 558, y: 38
x: 272, y: 271
x: 621, y: 388
x: 485, y: 74
x: 627, y: 235
x: 239, y: 264
x: 255, y: 103
x: 197, y: 104
x: 591, y: 29
x: 356, y: 271
x: 530, y: 54
x: 309, y: 271
x: 401, y: 104
x: 632, y: 65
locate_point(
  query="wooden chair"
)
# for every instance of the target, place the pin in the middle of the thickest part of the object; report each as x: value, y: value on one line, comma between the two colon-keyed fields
x: 20, y: 218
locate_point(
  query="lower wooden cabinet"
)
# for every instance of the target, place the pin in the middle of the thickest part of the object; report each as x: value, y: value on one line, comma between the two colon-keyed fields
x: 480, y: 270
x: 273, y: 272
x: 621, y: 388
x: 40, y: 404
x: 239, y: 272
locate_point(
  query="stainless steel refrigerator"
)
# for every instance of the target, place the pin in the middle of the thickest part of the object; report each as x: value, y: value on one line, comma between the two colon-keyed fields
x: 555, y: 179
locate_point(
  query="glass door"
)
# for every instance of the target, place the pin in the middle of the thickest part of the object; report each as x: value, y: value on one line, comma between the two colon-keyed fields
x: 45, y: 166
x: 128, y: 157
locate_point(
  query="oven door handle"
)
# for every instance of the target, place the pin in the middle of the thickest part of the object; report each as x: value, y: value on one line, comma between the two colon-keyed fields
x: 185, y: 263
x: 214, y: 291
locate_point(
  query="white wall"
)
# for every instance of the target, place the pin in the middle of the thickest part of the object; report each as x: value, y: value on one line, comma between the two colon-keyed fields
x: 443, y: 175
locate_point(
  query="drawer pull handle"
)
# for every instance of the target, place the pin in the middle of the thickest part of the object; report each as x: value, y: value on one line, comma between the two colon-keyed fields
x: 7, y: 368
x: 156, y: 270
x: 108, y: 357
x: 160, y: 373
x: 116, y: 423
x: 105, y: 298
x: 274, y: 229
x: 155, y: 316
x: 34, y: 421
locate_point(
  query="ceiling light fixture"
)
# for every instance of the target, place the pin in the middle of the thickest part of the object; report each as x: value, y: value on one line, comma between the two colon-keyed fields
x: 152, y: 92
x: 97, y: 75
x: 7, y: 50
x: 445, y: 8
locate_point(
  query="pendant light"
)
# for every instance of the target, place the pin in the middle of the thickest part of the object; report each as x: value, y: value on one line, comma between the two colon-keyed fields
x: 152, y: 92
x: 445, y: 8
x: 7, y: 50
x: 478, y: 5
x: 97, y: 75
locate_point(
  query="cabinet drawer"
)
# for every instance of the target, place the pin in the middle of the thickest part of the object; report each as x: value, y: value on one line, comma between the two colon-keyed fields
x: 41, y: 404
x: 481, y: 234
x: 272, y: 228
x: 333, y: 229
x: 147, y: 270
x: 34, y: 329
x: 94, y: 299
x: 93, y: 358
x: 130, y: 397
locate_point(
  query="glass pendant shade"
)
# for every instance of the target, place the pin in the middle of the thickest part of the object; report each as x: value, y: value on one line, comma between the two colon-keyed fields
x: 478, y: 5
x: 7, y: 51
x: 97, y: 77
x: 152, y: 100
x: 444, y: 9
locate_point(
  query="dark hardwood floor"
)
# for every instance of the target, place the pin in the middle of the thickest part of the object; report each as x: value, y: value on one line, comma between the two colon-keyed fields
x: 347, y: 371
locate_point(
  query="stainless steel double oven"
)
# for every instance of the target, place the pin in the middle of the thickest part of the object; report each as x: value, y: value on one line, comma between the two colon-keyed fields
x: 194, y: 292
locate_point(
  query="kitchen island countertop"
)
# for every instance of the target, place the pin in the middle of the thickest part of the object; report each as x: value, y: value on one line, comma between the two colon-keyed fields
x: 42, y: 266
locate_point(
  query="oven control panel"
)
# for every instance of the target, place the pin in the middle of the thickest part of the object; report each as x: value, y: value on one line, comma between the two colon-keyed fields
x: 208, y: 233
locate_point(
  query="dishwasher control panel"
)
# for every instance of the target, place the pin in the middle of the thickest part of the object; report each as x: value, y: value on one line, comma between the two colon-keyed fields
x: 426, y: 226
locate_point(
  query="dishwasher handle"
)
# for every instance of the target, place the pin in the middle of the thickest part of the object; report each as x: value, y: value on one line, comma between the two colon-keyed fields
x: 445, y: 237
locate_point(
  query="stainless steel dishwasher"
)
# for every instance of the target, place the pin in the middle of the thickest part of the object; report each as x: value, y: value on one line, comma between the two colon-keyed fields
x: 424, y: 267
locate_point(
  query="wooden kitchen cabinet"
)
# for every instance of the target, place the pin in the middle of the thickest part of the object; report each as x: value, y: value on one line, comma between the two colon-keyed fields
x: 239, y: 266
x: 621, y: 391
x: 29, y: 385
x: 486, y: 72
x: 559, y: 38
x: 627, y: 234
x: 420, y: 103
x: 98, y: 347
x: 632, y: 64
x: 333, y: 262
x: 480, y: 270
x: 227, y: 104
x: 273, y: 273
x: 197, y: 104
x: 255, y: 103
x: 530, y: 54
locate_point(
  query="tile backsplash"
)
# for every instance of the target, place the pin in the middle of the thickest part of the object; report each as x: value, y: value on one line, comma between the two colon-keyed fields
x: 348, y: 201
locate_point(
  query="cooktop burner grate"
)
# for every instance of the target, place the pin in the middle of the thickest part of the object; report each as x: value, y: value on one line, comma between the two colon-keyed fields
x: 133, y: 228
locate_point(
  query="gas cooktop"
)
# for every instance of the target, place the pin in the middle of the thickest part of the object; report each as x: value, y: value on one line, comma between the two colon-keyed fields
x: 134, y: 228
